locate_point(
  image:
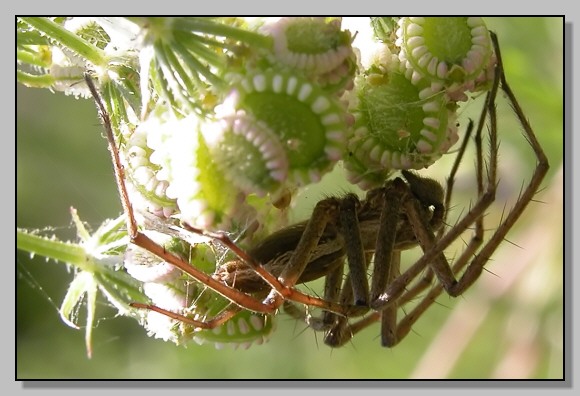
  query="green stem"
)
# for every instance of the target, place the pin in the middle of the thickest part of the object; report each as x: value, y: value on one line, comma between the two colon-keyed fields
x: 68, y: 39
x: 33, y: 80
x: 54, y: 249
x: 32, y: 58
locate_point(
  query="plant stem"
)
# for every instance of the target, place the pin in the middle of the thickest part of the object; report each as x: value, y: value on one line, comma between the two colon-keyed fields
x: 34, y: 81
x: 54, y: 249
x: 70, y: 40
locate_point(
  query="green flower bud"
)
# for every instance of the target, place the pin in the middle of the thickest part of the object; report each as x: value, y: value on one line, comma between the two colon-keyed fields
x: 248, y: 152
x: 145, y: 176
x: 308, y: 123
x: 454, y: 51
x: 397, y: 124
x: 243, y: 330
x: 316, y: 46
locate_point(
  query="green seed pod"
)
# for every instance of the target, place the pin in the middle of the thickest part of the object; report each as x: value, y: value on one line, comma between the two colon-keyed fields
x: 318, y: 47
x: 243, y: 330
x: 397, y: 124
x: 248, y: 152
x: 205, y: 197
x: 308, y: 123
x: 144, y: 176
x: 454, y: 51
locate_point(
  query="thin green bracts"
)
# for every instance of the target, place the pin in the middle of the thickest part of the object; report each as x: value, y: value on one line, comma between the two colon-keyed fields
x: 186, y: 75
x: 204, y: 25
x: 195, y: 64
x: 91, y: 309
x: 54, y: 249
x: 35, y: 81
x: 33, y: 58
x: 116, y: 107
x: 68, y: 39
x: 201, y: 46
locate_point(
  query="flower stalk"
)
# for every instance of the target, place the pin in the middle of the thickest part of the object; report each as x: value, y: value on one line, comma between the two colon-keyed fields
x: 58, y: 34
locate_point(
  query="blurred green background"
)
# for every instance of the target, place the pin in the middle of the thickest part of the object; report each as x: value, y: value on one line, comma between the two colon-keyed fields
x: 509, y: 325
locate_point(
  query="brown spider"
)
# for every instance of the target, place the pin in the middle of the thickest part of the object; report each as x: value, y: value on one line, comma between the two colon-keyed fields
x: 400, y: 289
x: 390, y: 219
x: 383, y: 223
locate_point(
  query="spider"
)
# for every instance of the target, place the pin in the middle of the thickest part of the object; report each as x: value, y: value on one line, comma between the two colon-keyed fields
x: 433, y: 237
x: 347, y: 228
x: 401, y: 214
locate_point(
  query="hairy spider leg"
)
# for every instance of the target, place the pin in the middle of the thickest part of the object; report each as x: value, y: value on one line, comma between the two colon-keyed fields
x: 434, y: 246
x: 241, y: 300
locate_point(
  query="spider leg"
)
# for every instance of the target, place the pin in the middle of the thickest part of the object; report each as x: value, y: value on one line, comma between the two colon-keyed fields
x: 339, y: 332
x: 143, y: 241
x: 389, y: 336
x: 393, y: 234
x: 214, y: 322
x: 350, y: 229
x: 386, y: 261
x: 386, y: 237
x: 475, y: 268
x: 425, y: 281
x: 336, y: 326
x: 386, y: 265
x: 241, y: 299
x: 434, y: 248
x: 324, y: 211
x: 472, y: 259
x: 332, y: 288
x: 400, y: 330
x: 389, y: 293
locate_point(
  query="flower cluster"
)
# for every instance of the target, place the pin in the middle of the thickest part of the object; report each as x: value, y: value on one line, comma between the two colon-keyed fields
x: 405, y: 98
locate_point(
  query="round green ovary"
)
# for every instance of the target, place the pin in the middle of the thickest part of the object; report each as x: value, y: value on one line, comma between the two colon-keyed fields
x: 449, y: 39
x: 245, y: 327
x: 240, y: 329
x: 394, y: 116
x: 311, y: 37
x: 245, y: 161
x: 297, y: 127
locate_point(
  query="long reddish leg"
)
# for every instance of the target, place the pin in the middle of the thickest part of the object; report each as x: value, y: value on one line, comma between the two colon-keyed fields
x: 280, y: 290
